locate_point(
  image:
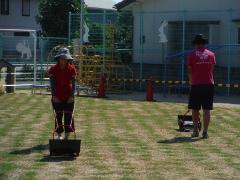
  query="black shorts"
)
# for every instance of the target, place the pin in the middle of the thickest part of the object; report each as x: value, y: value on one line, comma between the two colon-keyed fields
x: 201, y: 96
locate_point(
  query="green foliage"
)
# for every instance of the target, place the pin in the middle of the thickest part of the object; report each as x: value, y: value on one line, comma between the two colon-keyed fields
x: 53, y: 16
x: 124, y: 36
x: 125, y: 30
x: 96, y: 33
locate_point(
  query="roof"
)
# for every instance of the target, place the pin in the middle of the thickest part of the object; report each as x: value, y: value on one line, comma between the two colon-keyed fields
x: 123, y: 4
x: 100, y: 4
x: 4, y: 63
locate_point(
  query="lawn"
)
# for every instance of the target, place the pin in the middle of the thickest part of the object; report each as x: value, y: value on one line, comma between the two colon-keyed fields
x: 120, y: 140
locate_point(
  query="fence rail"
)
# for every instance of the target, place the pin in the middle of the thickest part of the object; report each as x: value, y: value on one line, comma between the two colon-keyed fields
x: 150, y: 44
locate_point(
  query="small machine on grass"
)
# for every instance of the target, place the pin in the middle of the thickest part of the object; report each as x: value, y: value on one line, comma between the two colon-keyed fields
x: 59, y: 147
x: 185, y: 122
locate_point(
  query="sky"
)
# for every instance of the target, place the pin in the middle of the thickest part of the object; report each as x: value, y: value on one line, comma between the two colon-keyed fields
x: 117, y: 0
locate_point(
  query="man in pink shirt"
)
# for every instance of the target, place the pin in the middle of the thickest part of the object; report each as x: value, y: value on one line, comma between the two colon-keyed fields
x: 200, y: 70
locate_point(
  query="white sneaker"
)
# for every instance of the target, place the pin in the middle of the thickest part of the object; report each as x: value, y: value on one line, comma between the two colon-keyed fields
x: 67, y: 134
x: 59, y: 137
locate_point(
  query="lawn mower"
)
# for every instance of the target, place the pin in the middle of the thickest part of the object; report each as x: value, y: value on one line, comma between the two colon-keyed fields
x: 185, y: 122
x: 59, y: 147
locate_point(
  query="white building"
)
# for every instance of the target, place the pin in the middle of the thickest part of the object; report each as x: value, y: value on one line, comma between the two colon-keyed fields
x: 177, y: 21
x: 18, y: 14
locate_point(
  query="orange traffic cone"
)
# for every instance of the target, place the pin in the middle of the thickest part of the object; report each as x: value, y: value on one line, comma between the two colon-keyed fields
x: 101, y: 88
x: 149, y: 96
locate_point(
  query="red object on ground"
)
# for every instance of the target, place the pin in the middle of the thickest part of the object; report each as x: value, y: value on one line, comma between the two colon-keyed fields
x: 149, y: 96
x: 101, y: 88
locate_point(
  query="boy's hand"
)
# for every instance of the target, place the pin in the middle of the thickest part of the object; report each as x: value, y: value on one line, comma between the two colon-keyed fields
x: 70, y: 100
x: 55, y: 99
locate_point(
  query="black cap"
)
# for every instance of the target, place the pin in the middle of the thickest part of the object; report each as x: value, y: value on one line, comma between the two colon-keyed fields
x: 200, y: 39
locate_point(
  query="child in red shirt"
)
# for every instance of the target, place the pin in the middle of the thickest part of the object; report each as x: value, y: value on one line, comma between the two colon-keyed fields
x: 62, y: 80
x: 200, y: 67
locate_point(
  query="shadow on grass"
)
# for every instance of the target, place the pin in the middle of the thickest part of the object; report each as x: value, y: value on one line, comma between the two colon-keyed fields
x: 49, y: 158
x: 179, y: 140
x: 30, y: 150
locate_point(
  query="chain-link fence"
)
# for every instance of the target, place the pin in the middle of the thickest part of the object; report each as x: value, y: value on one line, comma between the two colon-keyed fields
x: 148, y: 45
x: 20, y: 59
x: 156, y: 44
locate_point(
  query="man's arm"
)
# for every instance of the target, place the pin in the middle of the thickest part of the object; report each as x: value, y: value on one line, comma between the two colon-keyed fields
x: 190, y: 74
x: 53, y: 88
x: 73, y: 86
x: 53, y: 85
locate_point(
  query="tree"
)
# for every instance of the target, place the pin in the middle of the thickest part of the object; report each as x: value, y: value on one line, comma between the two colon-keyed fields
x: 124, y: 36
x: 53, y: 16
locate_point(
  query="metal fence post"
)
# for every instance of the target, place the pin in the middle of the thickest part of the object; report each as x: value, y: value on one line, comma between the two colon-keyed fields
x: 104, y: 37
x: 142, y: 50
x: 69, y: 27
x: 41, y: 57
x: 230, y: 11
x: 183, y: 49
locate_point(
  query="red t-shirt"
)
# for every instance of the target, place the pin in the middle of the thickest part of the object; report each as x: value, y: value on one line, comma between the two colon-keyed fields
x: 201, y: 62
x: 63, y: 80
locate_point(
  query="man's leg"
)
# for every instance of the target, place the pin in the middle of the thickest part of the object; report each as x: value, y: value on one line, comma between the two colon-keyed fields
x: 195, y: 105
x: 58, y: 108
x: 195, y: 117
x: 207, y: 107
x: 206, y: 121
x: 68, y: 109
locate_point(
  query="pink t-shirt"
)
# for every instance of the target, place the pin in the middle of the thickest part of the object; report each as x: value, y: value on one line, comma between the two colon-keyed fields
x: 202, y: 61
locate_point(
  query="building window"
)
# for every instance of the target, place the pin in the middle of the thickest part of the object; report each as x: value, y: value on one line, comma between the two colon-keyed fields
x: 25, y: 34
x: 239, y: 35
x: 26, y: 7
x: 5, y: 7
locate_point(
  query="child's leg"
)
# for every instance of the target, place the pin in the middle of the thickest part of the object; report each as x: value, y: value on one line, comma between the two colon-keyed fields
x: 68, y: 108
x: 58, y: 108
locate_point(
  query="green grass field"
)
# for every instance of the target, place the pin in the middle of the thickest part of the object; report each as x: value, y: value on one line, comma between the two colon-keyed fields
x: 120, y: 140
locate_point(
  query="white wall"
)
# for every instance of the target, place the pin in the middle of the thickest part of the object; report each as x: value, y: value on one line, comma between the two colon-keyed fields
x: 154, y: 11
x: 15, y: 20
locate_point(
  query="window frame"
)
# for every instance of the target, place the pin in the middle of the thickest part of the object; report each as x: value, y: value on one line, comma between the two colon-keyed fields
x: 3, y: 5
x: 23, y: 13
x: 238, y: 35
x: 21, y: 34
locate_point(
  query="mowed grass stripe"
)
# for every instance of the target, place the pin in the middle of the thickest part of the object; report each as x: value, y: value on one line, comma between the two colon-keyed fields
x: 24, y: 141
x: 224, y: 147
x: 204, y: 152
x: 15, y: 109
x: 119, y: 124
x: 171, y: 151
x: 113, y: 141
x: 10, y: 139
x: 43, y: 162
x: 136, y: 150
x: 154, y: 123
x: 91, y: 143
x: 108, y: 126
